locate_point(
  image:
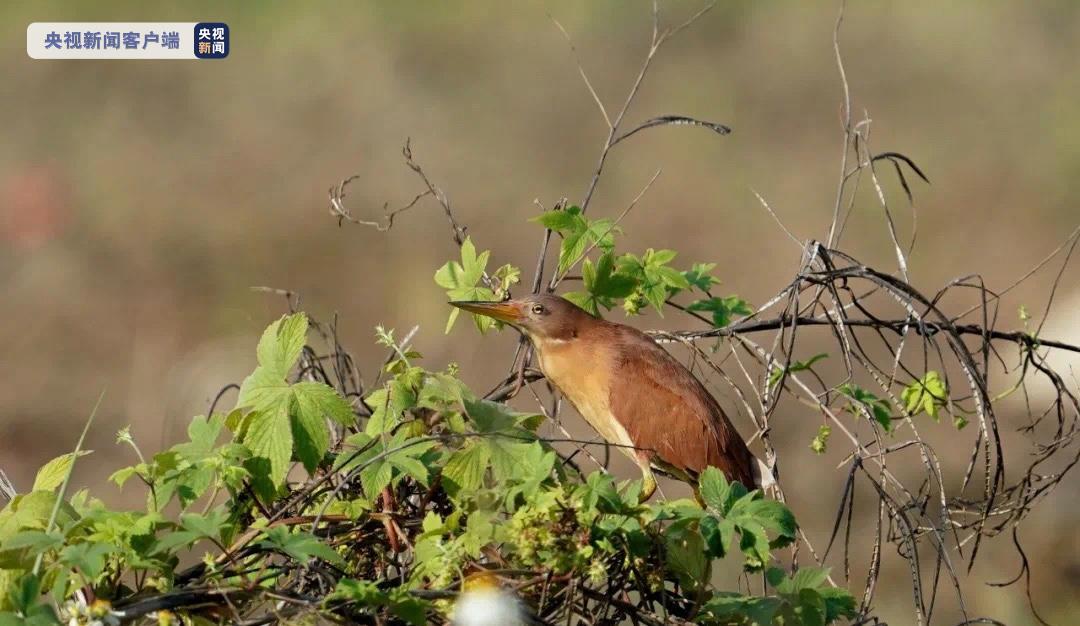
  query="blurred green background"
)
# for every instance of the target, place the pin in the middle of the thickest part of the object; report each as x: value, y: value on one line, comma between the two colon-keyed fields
x: 140, y: 200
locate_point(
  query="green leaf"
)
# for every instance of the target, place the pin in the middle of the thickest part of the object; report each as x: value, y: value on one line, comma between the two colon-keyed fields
x: 561, y: 220
x: 578, y: 234
x: 281, y: 344
x: 714, y: 489
x: 700, y: 276
x: 584, y: 300
x: 389, y: 403
x: 774, y: 517
x: 465, y: 470
x: 310, y: 437
x: 364, y: 592
x: 412, y: 610
x: 37, y: 541
x: 203, y: 433
x: 176, y: 539
x: 270, y: 436
x: 314, y: 404
x: 375, y: 477
x: 263, y: 390
x: 655, y: 281
x: 723, y: 309
x: 717, y: 534
x: 284, y: 414
x: 603, y: 284
x: 461, y: 280
x: 410, y: 466
x: 52, y: 473
x: 508, y: 457
x: 25, y: 593
x: 368, y: 594
x: 209, y: 525
x: 862, y: 401
x: 491, y: 417
x: 805, y: 578
x: 754, y: 543
x: 718, y: 493
x: 299, y: 545
x: 685, y: 553
x: 926, y: 395
x: 122, y: 475
x: 507, y: 275
x: 795, y: 366
x: 88, y: 557
x: 838, y: 604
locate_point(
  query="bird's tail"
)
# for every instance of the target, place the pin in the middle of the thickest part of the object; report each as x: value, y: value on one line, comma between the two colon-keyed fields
x: 763, y: 476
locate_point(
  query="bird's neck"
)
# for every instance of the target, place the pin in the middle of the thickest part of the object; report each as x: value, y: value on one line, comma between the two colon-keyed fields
x: 569, y: 353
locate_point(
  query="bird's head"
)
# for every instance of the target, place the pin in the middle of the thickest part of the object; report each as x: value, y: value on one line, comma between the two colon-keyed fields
x: 540, y: 316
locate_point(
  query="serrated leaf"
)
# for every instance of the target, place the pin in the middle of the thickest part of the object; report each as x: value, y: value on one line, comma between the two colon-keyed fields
x: 714, y: 489
x: 774, y: 517
x: 88, y: 557
x: 573, y: 246
x: 203, y: 433
x: 270, y: 436
x: 685, y: 554
x: 209, y: 525
x: 879, y: 409
x: 375, y: 477
x: 410, y: 466
x: 926, y: 395
x: 717, y: 534
x: 176, y: 539
x: 264, y: 389
x: 559, y: 221
x: 38, y: 541
x: 700, y: 276
x: 578, y: 234
x: 602, y: 284
x: 584, y: 300
x: 299, y: 545
x: 754, y: 543
x: 795, y: 366
x: 281, y: 343
x: 52, y: 473
x: 491, y: 417
x: 388, y: 404
x: 672, y: 278
x: 310, y: 437
x: 660, y: 257
x: 508, y: 457
x: 314, y: 403
x: 122, y: 475
x: 723, y: 310
x: 805, y: 578
x: 465, y: 469
x: 462, y: 281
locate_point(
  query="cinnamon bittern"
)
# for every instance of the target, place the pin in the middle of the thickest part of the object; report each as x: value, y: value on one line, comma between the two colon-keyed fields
x: 630, y: 390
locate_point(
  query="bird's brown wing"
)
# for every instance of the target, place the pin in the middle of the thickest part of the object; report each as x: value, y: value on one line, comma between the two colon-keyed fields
x: 669, y: 413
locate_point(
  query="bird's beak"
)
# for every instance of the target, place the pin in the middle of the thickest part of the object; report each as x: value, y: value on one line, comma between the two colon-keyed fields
x: 502, y: 311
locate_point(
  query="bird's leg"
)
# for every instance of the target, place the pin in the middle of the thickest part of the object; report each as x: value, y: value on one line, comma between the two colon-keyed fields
x: 648, y: 484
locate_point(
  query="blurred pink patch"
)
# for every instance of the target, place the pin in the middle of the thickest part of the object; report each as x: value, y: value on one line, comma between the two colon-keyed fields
x: 34, y: 206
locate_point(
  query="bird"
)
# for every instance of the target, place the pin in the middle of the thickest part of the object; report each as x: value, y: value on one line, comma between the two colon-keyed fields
x: 634, y: 393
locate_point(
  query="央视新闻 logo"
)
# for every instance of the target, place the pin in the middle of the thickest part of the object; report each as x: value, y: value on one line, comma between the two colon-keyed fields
x: 211, y: 40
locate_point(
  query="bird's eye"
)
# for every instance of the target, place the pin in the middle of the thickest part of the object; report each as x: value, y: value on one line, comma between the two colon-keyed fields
x: 537, y: 309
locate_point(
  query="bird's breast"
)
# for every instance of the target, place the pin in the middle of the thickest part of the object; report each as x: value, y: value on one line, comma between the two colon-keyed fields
x: 583, y: 374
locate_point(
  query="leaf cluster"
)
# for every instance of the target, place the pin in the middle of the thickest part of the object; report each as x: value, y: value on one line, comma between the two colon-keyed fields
x: 427, y: 486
